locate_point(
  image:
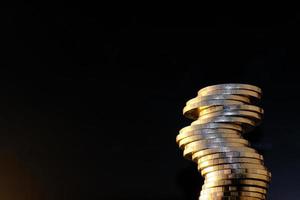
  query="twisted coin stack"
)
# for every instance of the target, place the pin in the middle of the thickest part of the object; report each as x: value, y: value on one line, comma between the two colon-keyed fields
x: 231, y: 168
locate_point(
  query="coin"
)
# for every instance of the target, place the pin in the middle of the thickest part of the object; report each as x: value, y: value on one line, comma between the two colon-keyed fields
x: 234, y: 194
x: 231, y: 155
x: 235, y: 188
x: 217, y: 140
x: 218, y: 97
x: 214, y: 135
x: 242, y: 113
x: 194, y: 131
x: 191, y: 111
x: 226, y: 119
x: 232, y: 107
x: 228, y: 160
x: 212, y: 183
x: 238, y: 176
x: 193, y: 149
x: 241, y: 92
x: 237, y: 171
x: 214, y: 140
x: 231, y: 86
x: 197, y: 155
x: 232, y: 166
x: 228, y: 198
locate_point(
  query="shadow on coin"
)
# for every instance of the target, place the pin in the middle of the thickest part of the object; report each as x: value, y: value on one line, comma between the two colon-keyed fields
x: 190, y: 181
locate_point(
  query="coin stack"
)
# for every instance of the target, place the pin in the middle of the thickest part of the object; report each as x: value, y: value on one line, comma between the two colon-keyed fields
x: 231, y: 168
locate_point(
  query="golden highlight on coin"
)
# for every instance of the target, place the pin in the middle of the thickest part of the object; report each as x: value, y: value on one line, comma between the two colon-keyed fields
x: 231, y: 168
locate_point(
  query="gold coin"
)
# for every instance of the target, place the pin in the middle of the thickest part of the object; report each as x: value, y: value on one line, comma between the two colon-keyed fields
x: 240, y: 113
x: 230, y: 86
x: 241, y: 92
x: 232, y: 166
x: 228, y: 198
x: 210, y: 126
x: 236, y: 188
x: 234, y: 194
x: 234, y: 171
x: 245, y: 107
x: 219, y: 161
x: 257, y: 183
x: 204, y: 137
x: 217, y: 140
x: 218, y: 97
x: 188, y: 151
x: 226, y: 119
x: 238, y: 176
x: 231, y: 155
x: 197, y: 155
x: 190, y: 132
x: 192, y: 110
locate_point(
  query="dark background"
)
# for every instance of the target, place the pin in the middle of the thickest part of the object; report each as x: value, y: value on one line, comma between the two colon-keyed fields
x: 91, y: 98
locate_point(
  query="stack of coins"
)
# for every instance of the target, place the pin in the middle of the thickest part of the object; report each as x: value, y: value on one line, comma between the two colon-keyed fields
x: 231, y: 168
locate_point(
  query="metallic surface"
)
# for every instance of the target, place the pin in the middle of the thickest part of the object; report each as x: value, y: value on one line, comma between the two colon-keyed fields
x: 231, y: 168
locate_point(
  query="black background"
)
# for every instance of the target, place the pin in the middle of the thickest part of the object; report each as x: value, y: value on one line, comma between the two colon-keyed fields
x: 91, y: 99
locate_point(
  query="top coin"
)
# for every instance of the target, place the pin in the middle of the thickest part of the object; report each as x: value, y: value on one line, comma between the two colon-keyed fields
x: 230, y: 86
